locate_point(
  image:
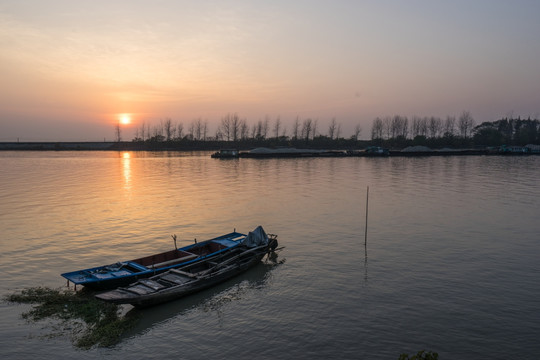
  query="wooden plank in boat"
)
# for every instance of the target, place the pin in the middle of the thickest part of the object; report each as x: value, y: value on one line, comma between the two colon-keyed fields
x: 152, y: 284
x: 183, y: 273
x: 174, y: 278
x: 141, y: 289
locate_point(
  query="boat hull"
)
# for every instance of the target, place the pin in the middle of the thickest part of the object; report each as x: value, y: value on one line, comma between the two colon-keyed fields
x: 185, y: 280
x: 121, y: 296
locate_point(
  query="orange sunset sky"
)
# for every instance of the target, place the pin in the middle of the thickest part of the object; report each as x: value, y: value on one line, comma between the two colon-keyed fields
x: 70, y: 69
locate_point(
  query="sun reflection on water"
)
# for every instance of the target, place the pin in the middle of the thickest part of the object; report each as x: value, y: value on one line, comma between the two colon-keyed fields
x: 126, y: 163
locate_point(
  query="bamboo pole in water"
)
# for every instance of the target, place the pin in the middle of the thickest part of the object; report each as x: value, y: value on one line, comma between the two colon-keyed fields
x: 367, y: 200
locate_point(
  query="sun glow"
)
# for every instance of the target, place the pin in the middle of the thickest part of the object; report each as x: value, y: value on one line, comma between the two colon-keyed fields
x: 125, y: 119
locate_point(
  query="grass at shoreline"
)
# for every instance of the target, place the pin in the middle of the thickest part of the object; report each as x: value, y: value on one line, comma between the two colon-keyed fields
x: 88, y: 321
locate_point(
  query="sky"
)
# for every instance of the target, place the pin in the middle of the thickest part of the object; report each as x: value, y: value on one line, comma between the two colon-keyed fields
x: 70, y: 69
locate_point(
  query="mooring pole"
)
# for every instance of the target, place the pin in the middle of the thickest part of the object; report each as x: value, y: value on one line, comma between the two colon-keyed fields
x: 367, y: 201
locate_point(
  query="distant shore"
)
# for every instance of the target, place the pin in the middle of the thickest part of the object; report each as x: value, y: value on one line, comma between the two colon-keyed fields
x: 57, y: 146
x: 268, y: 153
x: 110, y: 146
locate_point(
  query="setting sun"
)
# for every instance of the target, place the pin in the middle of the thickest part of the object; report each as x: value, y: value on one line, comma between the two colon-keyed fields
x: 125, y: 119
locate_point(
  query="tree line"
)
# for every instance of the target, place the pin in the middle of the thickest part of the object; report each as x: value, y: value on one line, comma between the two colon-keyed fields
x: 398, y: 131
x: 391, y: 131
x: 236, y: 130
x: 233, y: 128
x: 508, y: 132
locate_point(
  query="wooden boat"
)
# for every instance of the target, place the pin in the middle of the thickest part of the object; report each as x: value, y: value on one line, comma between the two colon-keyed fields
x: 187, y: 279
x: 125, y: 272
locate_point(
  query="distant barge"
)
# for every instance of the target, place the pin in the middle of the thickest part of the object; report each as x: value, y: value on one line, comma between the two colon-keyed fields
x: 372, y: 151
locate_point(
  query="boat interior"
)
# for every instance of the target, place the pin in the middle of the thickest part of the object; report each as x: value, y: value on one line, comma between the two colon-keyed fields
x: 207, y: 248
x: 177, y: 256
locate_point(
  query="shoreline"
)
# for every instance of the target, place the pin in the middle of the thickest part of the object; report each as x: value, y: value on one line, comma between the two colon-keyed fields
x: 270, y: 153
x: 56, y: 145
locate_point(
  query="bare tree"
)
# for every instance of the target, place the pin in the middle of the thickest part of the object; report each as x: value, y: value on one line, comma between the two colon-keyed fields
x: 415, y: 128
x: 265, y: 126
x: 253, y: 131
x: 258, y: 129
x: 173, y: 132
x: 422, y: 126
x: 219, y: 134
x: 387, y: 127
x: 307, y: 129
x: 230, y: 126
x: 277, y: 126
x: 357, y: 131
x: 204, y: 130
x: 235, y: 126
x: 404, y: 127
x: 180, y: 131
x: 394, y: 126
x: 191, y: 131
x: 449, y: 126
x: 117, y: 133
x: 332, y: 128
x: 244, y: 129
x: 198, y: 128
x: 296, y: 127
x: 140, y: 132
x: 399, y: 126
x: 226, y: 127
x: 167, y: 127
x: 157, y: 132
x: 143, y: 131
x: 377, y: 129
x: 466, y: 123
x: 434, y: 127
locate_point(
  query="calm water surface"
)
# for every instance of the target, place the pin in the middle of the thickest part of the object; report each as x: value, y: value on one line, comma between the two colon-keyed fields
x: 452, y: 262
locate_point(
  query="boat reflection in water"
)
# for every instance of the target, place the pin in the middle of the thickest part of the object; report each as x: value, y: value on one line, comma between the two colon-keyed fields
x: 213, y: 299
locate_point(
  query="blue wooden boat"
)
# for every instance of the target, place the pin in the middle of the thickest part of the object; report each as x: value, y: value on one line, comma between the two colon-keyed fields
x: 187, y: 279
x: 125, y: 272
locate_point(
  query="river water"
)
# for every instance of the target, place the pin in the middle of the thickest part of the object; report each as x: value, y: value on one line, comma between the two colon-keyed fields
x: 451, y: 264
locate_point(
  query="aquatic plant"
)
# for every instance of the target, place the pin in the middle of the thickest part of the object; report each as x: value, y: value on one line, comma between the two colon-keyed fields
x: 421, y: 355
x: 89, y: 321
